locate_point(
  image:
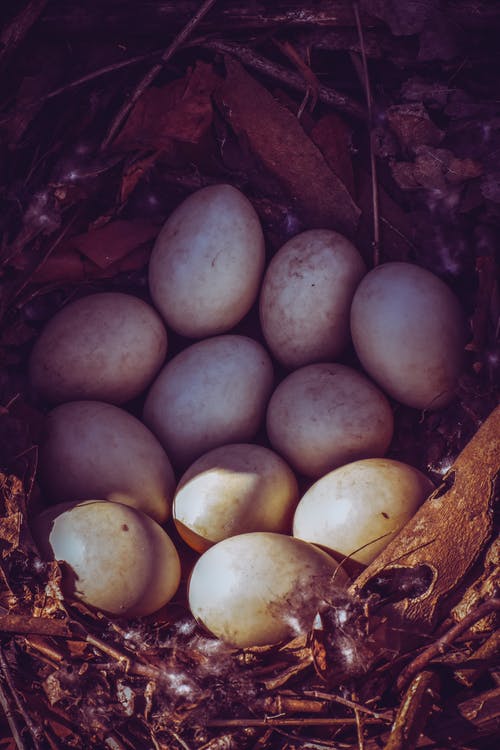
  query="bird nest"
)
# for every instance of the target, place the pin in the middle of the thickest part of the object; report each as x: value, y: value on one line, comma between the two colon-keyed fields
x: 377, y: 119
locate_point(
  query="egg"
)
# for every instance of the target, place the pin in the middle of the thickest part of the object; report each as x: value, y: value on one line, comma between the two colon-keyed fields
x: 306, y: 297
x: 259, y: 588
x: 357, y: 509
x: 207, y: 262
x: 212, y: 393
x: 93, y: 449
x: 232, y: 490
x: 106, y: 347
x: 409, y: 333
x: 324, y: 415
x: 116, y: 558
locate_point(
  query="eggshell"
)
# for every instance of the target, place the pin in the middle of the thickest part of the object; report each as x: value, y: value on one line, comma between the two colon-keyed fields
x: 357, y: 509
x: 92, y: 449
x: 324, y: 415
x: 106, y: 347
x: 306, y: 297
x: 207, y: 262
x: 259, y: 588
x: 212, y: 393
x: 409, y: 333
x: 232, y: 490
x: 116, y: 558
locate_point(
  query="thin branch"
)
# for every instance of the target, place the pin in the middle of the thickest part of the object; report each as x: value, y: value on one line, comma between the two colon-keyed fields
x: 148, y: 79
x: 99, y: 73
x: 439, y: 646
x: 34, y: 730
x: 413, y: 712
x: 14, y: 33
x: 295, y: 81
x: 287, y: 722
x: 373, y: 162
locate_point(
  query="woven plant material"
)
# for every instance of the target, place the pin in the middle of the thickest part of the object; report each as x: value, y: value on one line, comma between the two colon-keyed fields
x: 377, y: 119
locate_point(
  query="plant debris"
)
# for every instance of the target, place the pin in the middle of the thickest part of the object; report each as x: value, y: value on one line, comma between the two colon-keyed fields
x: 377, y: 118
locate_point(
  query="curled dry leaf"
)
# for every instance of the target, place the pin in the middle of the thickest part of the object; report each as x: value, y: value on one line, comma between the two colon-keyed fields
x: 446, y: 537
x: 413, y: 126
x: 279, y: 142
x: 179, y: 111
x: 434, y: 169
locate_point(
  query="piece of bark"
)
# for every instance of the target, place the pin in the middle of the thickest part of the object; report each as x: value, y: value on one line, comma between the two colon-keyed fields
x: 279, y: 142
x: 445, y: 538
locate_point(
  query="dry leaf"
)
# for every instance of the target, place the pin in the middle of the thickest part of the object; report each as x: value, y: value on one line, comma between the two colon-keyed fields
x: 413, y: 126
x: 112, y: 242
x: 179, y: 111
x: 277, y: 139
x: 332, y: 136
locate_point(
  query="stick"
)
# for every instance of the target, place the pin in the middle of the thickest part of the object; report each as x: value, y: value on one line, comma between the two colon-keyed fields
x: 328, y: 96
x: 440, y: 645
x: 281, y: 722
x: 36, y: 732
x: 373, y: 161
x: 148, y: 79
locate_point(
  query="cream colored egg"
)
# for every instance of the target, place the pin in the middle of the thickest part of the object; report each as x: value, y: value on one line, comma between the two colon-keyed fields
x: 212, y: 393
x: 207, y: 262
x: 409, y: 333
x: 260, y: 588
x: 306, y: 297
x: 93, y: 449
x: 325, y: 415
x: 115, y: 558
x: 106, y: 347
x: 232, y: 490
x: 357, y: 509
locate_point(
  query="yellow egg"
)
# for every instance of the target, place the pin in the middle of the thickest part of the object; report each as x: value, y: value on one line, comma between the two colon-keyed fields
x: 357, y: 509
x: 232, y: 490
x: 115, y: 558
x: 260, y: 588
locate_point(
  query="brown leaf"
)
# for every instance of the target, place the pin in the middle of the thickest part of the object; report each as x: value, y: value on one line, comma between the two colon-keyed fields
x: 179, y: 111
x: 332, y: 136
x: 278, y: 141
x: 112, y: 242
x: 447, y: 535
x: 64, y: 265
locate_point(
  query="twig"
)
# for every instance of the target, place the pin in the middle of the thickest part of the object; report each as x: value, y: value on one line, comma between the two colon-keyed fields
x: 148, y: 79
x: 287, y: 722
x: 35, y: 731
x: 295, y: 81
x: 373, y: 163
x: 439, y: 646
x: 413, y: 712
x: 14, y: 33
x: 468, y: 675
x: 33, y: 626
x: 99, y: 73
x: 387, y: 715
x: 11, y: 720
